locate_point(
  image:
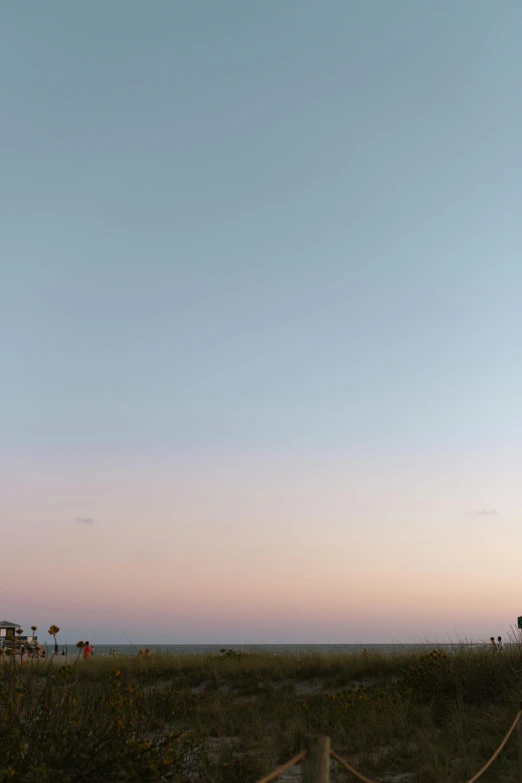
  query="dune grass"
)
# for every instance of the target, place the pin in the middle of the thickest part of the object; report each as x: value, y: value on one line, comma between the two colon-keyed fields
x: 233, y: 717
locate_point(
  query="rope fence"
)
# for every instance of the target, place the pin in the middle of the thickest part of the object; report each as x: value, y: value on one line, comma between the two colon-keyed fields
x: 316, y: 767
x: 279, y: 771
x: 498, y: 750
x: 349, y: 768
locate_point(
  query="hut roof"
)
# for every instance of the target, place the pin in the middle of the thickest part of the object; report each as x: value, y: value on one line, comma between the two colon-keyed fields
x: 7, y: 624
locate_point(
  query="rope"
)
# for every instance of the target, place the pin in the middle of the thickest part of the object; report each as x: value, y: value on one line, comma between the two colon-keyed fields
x: 273, y: 775
x: 479, y: 774
x: 279, y: 771
x: 349, y: 768
x: 495, y: 754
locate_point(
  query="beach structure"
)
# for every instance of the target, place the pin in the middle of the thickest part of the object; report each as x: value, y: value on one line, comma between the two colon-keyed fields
x: 8, y: 634
x: 7, y: 631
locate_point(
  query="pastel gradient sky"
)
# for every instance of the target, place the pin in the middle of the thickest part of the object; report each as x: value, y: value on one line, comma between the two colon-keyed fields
x: 260, y: 319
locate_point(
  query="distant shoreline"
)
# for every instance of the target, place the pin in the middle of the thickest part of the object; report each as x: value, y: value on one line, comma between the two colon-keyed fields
x: 127, y: 650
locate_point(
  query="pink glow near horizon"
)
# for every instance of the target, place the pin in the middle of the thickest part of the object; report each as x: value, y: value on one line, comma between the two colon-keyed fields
x: 262, y: 549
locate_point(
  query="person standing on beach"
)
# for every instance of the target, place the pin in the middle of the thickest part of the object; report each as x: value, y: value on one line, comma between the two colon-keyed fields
x: 493, y: 643
x: 92, y: 650
x: 500, y: 644
x: 87, y: 650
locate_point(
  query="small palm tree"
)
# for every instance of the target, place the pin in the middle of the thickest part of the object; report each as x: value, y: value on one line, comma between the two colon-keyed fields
x: 19, y: 631
x: 80, y: 645
x: 34, y: 628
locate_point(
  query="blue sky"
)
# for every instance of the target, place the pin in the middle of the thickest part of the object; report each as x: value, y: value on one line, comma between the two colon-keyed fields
x: 259, y: 228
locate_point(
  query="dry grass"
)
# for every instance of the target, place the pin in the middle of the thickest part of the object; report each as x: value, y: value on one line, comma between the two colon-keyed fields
x: 436, y: 716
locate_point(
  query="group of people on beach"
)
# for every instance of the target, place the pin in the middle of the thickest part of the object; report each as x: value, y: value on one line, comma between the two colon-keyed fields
x: 145, y: 652
x: 497, y: 645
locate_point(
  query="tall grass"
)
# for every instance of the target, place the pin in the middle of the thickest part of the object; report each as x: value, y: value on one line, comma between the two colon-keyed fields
x: 57, y: 725
x: 230, y: 718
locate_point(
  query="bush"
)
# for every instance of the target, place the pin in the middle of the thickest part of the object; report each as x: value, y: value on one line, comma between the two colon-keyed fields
x: 58, y: 728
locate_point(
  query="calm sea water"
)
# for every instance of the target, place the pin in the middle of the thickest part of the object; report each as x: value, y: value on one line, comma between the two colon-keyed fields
x: 215, y: 649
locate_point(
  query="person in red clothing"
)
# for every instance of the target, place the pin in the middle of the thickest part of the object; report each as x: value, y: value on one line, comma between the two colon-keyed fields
x: 87, y: 650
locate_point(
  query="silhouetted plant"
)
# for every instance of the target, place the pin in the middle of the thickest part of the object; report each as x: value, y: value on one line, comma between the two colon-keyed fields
x: 80, y: 646
x: 54, y: 631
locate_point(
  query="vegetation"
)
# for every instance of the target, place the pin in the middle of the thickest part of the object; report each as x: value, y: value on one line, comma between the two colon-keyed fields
x: 53, y: 631
x: 234, y: 717
x: 58, y: 726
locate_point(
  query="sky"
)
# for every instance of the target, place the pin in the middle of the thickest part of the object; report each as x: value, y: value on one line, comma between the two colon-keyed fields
x: 260, y: 319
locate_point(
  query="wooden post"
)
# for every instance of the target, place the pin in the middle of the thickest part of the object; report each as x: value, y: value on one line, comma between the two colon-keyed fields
x: 316, y: 765
x: 519, y: 736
